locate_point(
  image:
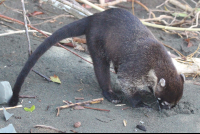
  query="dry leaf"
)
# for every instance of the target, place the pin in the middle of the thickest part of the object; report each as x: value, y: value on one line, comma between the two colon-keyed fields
x: 79, y: 47
x: 55, y: 79
x: 189, y: 42
x: 79, y: 40
x: 2, y: 2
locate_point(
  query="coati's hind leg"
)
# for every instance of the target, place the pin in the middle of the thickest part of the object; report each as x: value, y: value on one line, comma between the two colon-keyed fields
x: 102, y: 71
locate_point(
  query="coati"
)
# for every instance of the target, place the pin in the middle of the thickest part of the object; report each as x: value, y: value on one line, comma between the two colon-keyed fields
x: 117, y: 36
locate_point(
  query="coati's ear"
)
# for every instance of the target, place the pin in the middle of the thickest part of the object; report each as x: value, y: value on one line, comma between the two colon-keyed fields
x: 162, y: 82
x: 183, y: 77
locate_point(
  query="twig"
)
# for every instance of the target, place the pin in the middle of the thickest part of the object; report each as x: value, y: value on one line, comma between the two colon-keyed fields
x: 92, y: 5
x: 26, y: 96
x: 11, y: 107
x: 170, y: 28
x: 79, y: 103
x: 67, y: 8
x: 79, y: 8
x: 180, y: 5
x: 158, y: 18
x: 82, y: 103
x: 112, y: 3
x: 133, y: 9
x: 67, y: 102
x: 1, y: 22
x: 42, y: 75
x: 197, y: 23
x: 49, y: 127
x: 97, y: 109
x: 162, y: 4
x: 125, y: 108
x: 78, y: 98
x: 179, y: 53
x: 52, y: 18
x: 15, y: 10
x: 21, y: 31
x: 138, y: 2
x: 26, y: 28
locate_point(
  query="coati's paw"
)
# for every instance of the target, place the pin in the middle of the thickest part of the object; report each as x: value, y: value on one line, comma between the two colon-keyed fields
x: 110, y: 96
x: 13, y: 101
x: 136, y: 103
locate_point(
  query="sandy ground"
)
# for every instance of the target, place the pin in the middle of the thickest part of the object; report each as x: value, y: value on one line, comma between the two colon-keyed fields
x: 76, y: 74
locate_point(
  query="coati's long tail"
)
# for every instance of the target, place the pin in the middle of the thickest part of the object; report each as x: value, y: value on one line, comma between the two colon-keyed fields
x: 76, y: 28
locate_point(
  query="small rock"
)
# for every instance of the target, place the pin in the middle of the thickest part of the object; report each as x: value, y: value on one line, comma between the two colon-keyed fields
x: 141, y: 127
x: 77, y: 124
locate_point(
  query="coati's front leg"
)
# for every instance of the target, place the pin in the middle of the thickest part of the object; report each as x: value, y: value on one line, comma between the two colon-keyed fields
x: 134, y: 97
x: 102, y: 71
x: 130, y: 91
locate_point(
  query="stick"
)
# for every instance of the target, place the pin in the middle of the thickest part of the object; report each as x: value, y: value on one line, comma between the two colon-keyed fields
x: 79, y: 103
x: 11, y: 107
x: 26, y: 96
x: 25, y: 24
x: 42, y: 75
x: 96, y: 109
x: 49, y: 127
x: 170, y: 28
x: 21, y: 31
x: 78, y: 98
x: 82, y: 103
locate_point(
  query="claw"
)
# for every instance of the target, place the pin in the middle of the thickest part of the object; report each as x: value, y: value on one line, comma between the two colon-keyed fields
x: 112, y: 97
x: 116, y: 101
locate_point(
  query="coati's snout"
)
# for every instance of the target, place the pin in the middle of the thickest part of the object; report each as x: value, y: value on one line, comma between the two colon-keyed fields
x: 169, y: 94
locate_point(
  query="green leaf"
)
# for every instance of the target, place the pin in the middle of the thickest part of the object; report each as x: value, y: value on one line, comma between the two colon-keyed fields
x: 30, y: 109
x: 180, y: 14
x: 55, y: 78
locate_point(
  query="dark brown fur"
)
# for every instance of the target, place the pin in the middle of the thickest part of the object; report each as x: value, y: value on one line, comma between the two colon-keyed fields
x: 119, y: 37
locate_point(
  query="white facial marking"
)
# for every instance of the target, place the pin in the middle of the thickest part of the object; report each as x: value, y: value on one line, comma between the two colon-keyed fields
x: 152, y: 78
x: 162, y: 82
x: 159, y: 98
